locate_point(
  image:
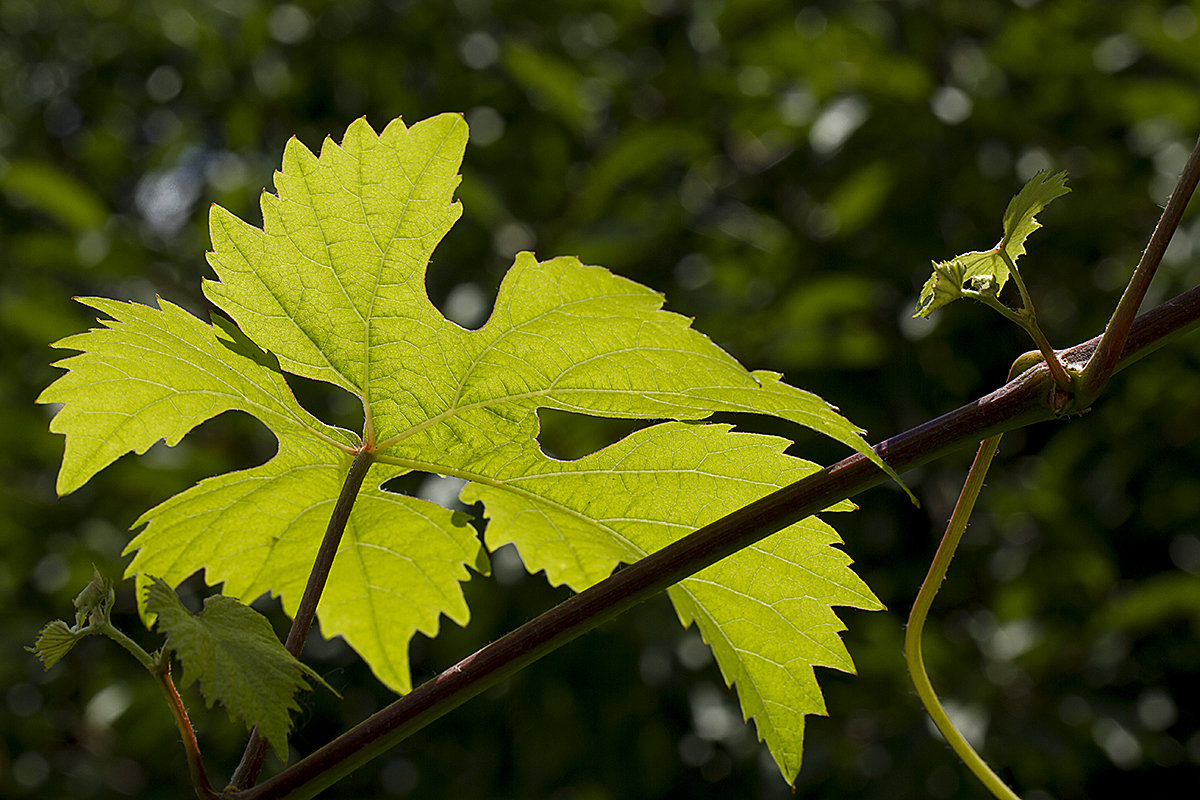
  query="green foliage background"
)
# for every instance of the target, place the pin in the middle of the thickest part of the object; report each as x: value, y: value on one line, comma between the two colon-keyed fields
x: 784, y: 172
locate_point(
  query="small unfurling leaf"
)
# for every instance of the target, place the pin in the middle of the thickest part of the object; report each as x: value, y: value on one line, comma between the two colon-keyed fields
x: 987, y: 271
x: 54, y: 641
x: 95, y: 601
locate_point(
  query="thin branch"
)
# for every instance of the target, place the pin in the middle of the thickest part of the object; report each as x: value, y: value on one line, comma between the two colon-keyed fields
x: 1100, y: 368
x: 106, y: 628
x: 159, y: 665
x: 200, y: 783
x: 248, y: 768
x: 307, y: 611
x: 1027, y: 319
x: 1028, y: 323
x: 1023, y: 401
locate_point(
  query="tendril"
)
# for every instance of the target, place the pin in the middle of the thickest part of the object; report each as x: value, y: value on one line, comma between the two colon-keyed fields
x: 916, y: 623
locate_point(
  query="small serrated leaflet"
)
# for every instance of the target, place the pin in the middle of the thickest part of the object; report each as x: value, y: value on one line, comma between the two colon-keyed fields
x: 54, y: 641
x: 987, y: 271
x: 1020, y: 217
x: 232, y: 652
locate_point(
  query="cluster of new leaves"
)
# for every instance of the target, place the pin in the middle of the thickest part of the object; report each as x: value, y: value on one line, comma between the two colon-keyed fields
x: 92, y: 608
x: 332, y: 288
x: 229, y: 648
x: 983, y: 274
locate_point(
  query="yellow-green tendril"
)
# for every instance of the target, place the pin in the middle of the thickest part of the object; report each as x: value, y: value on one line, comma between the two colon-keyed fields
x: 916, y: 622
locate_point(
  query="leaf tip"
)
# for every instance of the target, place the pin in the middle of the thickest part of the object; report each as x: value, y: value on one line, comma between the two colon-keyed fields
x: 66, y: 483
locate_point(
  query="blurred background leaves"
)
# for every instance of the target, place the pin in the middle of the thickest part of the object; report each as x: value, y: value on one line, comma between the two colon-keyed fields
x: 784, y: 172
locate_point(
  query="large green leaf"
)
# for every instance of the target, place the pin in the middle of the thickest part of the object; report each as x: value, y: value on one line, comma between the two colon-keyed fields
x: 154, y: 374
x: 332, y: 288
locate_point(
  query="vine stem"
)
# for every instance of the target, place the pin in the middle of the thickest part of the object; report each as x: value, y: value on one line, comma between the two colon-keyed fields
x: 252, y: 759
x: 106, y: 628
x: 200, y: 782
x: 1028, y: 323
x: 159, y: 665
x: 920, y: 610
x: 1108, y: 353
x: 307, y: 610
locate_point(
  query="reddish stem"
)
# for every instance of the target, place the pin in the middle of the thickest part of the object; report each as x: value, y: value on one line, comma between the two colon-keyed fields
x: 256, y: 749
x: 191, y: 747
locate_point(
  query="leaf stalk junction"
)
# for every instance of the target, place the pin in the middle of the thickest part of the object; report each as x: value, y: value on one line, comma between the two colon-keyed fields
x: 1089, y: 381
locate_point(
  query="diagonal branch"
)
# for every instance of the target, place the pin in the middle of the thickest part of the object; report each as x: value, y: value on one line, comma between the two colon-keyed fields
x: 1027, y: 399
x: 200, y: 784
x: 1101, y: 366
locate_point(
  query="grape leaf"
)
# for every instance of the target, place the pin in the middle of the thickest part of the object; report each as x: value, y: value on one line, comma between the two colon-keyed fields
x: 765, y: 611
x: 54, y: 641
x: 232, y: 652
x: 156, y: 374
x: 986, y: 271
x: 332, y: 288
x: 1020, y: 217
x: 93, y: 605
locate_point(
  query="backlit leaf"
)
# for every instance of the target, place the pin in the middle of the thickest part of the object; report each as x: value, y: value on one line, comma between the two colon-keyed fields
x: 986, y: 272
x: 332, y: 288
x: 1020, y: 217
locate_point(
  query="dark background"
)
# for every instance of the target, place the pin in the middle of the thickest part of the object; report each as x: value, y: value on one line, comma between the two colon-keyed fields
x: 784, y: 172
